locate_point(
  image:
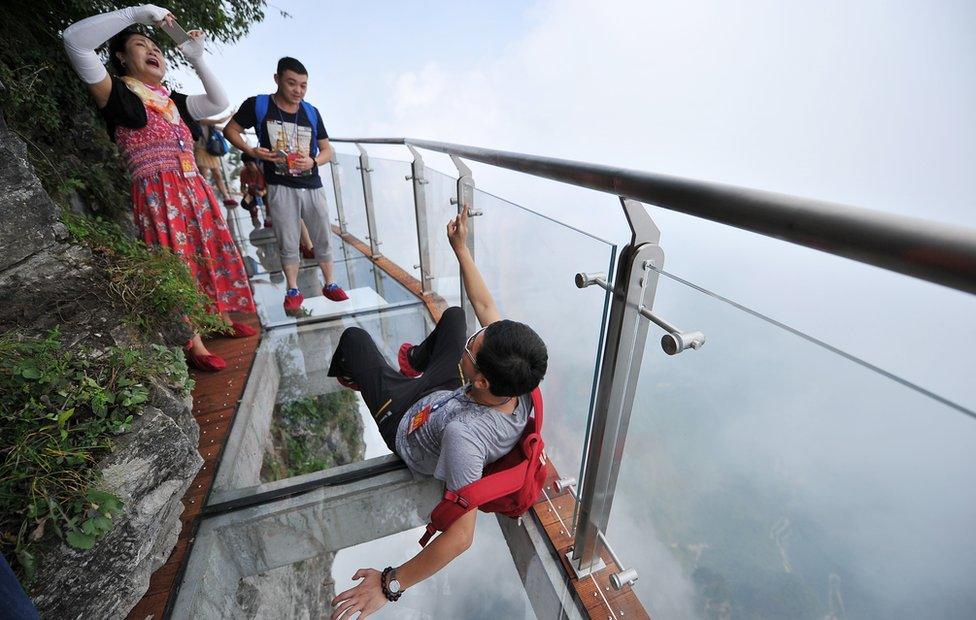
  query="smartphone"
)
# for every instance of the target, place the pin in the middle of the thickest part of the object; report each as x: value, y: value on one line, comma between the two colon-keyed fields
x: 176, y: 32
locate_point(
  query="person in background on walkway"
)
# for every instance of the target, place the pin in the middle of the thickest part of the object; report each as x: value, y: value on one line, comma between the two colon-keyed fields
x: 253, y: 189
x: 293, y: 143
x: 153, y: 127
x: 457, y: 405
x: 208, y: 163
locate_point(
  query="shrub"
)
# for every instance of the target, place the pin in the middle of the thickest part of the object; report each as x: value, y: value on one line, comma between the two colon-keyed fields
x: 59, y: 409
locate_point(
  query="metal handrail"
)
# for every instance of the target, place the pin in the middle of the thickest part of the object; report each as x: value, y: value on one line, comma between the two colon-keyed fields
x: 932, y: 251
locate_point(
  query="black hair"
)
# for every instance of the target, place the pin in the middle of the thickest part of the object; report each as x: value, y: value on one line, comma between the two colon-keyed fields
x: 512, y: 357
x: 288, y: 63
x: 117, y: 44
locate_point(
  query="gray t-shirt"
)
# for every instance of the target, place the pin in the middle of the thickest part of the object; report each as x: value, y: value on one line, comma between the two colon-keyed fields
x: 459, y: 437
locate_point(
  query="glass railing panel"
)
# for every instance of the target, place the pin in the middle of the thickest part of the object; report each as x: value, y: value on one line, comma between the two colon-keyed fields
x: 296, y: 420
x: 396, y: 220
x: 353, y: 206
x: 368, y: 286
x: 767, y: 476
x: 529, y: 263
x: 446, y: 279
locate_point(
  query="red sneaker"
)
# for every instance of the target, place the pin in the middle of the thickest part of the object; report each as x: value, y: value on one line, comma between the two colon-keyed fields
x: 293, y: 299
x: 206, y: 363
x: 306, y: 252
x: 334, y: 292
x: 405, y: 368
x: 346, y: 382
x: 240, y: 330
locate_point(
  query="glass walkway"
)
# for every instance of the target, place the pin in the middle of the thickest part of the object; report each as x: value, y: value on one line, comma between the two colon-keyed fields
x: 744, y: 469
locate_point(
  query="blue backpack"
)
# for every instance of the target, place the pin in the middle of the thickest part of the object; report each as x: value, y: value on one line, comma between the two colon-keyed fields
x: 261, y: 110
x: 217, y: 143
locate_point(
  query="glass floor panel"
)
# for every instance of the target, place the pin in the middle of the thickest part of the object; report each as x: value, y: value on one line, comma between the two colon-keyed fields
x: 294, y: 420
x: 481, y: 584
x: 369, y: 288
x: 288, y: 558
x: 258, y: 247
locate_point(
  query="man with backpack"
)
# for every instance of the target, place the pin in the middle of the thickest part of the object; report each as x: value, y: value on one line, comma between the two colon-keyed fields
x: 292, y: 143
x: 458, y: 408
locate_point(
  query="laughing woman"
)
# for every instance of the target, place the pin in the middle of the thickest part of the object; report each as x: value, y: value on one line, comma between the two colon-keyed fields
x: 154, y: 129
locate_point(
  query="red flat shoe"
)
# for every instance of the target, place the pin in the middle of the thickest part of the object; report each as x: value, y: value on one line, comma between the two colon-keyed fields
x: 334, y: 292
x: 405, y: 368
x: 240, y: 330
x: 306, y: 252
x: 347, y: 383
x: 205, y: 363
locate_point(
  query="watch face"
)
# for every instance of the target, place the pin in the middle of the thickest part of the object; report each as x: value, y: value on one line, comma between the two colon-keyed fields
x: 394, y: 586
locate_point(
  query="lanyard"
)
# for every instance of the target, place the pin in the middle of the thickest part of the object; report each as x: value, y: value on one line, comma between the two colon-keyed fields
x: 294, y: 141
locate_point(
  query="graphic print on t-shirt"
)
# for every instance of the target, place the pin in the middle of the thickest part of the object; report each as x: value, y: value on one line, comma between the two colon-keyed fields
x: 291, y: 139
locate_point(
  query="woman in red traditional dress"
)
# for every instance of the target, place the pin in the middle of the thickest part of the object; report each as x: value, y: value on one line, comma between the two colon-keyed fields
x: 154, y: 129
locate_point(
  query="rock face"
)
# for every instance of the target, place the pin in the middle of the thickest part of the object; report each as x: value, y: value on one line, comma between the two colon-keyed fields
x: 149, y: 471
x: 46, y: 282
x: 305, y: 589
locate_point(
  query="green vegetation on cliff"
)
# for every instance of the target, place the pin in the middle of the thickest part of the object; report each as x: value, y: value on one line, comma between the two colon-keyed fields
x: 314, y: 433
x: 59, y: 409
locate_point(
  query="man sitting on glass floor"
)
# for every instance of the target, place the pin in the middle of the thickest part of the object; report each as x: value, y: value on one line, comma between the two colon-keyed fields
x: 456, y: 405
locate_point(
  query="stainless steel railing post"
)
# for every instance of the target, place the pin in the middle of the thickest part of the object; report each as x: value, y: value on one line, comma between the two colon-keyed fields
x: 417, y: 175
x: 337, y: 186
x: 465, y: 198
x: 364, y: 169
x: 634, y: 288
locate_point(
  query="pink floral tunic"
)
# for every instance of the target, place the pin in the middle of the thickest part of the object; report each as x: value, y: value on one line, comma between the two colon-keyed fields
x: 180, y: 211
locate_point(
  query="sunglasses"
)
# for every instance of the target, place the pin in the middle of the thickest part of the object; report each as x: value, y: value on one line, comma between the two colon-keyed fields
x: 467, y: 346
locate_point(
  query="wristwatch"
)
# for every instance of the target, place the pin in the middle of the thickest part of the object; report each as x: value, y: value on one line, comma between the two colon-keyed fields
x: 390, y: 585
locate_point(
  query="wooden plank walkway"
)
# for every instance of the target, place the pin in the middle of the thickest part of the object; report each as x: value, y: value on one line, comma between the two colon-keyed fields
x: 215, y: 399
x: 554, y: 512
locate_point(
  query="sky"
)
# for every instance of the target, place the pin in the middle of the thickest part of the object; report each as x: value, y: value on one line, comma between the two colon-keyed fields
x: 869, y: 103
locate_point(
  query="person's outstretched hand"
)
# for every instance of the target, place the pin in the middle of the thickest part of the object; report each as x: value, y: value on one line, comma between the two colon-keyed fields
x: 150, y: 14
x: 457, y: 230
x: 365, y: 598
x: 193, y: 47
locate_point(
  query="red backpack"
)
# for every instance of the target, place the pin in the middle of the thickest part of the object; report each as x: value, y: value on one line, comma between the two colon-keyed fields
x: 510, y: 485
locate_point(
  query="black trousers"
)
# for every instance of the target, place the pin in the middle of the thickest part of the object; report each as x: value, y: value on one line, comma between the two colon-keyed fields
x: 389, y: 394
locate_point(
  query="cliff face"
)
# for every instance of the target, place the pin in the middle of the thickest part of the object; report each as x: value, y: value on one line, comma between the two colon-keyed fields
x: 46, y: 282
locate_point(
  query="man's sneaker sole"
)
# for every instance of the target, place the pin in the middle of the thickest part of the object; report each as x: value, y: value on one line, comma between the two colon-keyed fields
x: 405, y: 368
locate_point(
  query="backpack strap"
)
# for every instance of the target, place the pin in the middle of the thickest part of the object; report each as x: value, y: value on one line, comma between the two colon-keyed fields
x: 537, y: 409
x: 260, y: 111
x: 313, y: 119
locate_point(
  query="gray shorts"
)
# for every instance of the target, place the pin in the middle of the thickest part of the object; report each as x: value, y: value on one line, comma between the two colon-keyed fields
x: 287, y: 207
